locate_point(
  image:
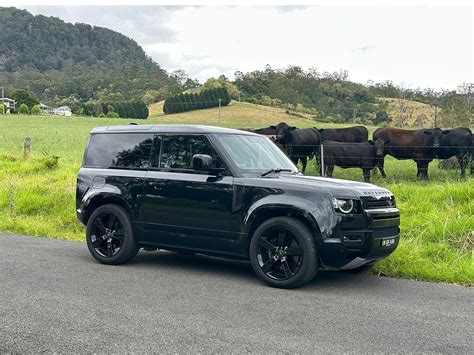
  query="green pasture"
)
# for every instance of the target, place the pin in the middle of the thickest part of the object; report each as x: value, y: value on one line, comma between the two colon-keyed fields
x: 37, y: 193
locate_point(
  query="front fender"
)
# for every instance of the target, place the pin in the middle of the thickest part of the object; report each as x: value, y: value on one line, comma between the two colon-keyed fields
x: 319, y: 213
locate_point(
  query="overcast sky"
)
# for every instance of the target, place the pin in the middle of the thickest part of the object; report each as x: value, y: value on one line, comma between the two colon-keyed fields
x: 418, y: 46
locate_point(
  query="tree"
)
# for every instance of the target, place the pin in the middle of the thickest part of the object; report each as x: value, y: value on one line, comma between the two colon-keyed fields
x: 24, y: 109
x: 151, y: 96
x: 36, y: 110
x: 97, y: 109
x: 24, y: 97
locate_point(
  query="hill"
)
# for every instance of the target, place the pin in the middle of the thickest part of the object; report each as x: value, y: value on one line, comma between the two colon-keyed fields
x: 254, y: 115
x: 236, y: 115
x: 53, y: 58
x: 417, y: 113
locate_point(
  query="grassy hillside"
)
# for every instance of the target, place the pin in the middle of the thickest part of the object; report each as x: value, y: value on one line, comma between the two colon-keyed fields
x: 236, y: 115
x: 252, y: 115
x: 37, y: 195
x: 416, y: 111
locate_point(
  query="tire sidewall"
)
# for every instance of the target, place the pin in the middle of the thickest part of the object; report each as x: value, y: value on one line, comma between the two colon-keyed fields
x: 129, y: 247
x: 304, y: 238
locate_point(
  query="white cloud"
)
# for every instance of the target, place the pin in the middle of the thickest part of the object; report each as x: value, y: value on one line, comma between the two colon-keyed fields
x: 417, y: 45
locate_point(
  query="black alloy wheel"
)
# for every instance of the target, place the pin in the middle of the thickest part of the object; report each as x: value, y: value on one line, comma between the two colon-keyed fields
x: 283, y: 252
x: 278, y: 253
x: 109, y: 235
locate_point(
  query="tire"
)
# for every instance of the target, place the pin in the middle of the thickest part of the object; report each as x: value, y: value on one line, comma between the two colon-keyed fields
x: 283, y: 253
x: 110, y: 237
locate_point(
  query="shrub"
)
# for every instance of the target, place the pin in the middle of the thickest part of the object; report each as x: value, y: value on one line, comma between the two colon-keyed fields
x: 24, y: 109
x: 126, y: 109
x: 205, y: 99
x: 36, y: 110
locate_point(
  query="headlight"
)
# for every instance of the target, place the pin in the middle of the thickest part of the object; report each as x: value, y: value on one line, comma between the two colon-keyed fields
x: 343, y: 205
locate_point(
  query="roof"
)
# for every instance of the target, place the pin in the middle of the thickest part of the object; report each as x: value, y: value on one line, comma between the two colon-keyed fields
x: 168, y: 129
x: 63, y: 108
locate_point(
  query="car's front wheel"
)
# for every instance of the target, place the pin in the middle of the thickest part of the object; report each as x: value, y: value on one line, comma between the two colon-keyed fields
x: 283, y: 252
x: 109, y: 235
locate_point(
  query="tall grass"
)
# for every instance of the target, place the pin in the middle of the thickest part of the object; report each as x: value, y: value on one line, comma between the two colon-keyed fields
x: 37, y: 196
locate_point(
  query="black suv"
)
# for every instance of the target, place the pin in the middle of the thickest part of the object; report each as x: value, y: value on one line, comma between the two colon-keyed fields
x: 227, y: 193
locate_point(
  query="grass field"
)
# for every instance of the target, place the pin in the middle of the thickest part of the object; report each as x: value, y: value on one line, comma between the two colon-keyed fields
x: 37, y: 196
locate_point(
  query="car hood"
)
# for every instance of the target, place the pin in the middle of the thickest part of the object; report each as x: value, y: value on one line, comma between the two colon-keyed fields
x: 330, y: 186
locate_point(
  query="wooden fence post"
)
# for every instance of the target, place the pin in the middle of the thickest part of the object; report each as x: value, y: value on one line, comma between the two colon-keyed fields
x: 26, y: 146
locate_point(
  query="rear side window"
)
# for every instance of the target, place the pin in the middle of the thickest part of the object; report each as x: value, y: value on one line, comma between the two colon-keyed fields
x: 119, y: 150
x: 177, y: 151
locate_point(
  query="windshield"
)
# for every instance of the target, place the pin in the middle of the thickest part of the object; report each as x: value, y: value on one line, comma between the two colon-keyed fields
x: 254, y: 154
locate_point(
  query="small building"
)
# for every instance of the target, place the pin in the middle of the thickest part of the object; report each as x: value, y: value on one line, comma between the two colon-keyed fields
x: 63, y: 111
x: 9, y: 104
x: 45, y: 110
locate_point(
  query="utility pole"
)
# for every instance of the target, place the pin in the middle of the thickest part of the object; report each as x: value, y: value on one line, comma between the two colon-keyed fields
x: 220, y: 110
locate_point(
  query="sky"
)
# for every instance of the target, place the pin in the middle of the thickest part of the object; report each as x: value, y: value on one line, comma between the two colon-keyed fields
x: 414, y: 46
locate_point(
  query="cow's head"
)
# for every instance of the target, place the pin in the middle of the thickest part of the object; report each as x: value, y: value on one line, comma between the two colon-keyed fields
x: 283, y: 132
x: 380, y: 146
x: 435, y: 134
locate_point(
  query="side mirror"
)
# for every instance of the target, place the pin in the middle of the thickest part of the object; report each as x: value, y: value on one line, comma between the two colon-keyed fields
x: 202, y: 162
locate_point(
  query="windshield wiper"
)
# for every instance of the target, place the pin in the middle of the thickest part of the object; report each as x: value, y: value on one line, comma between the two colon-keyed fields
x: 274, y: 171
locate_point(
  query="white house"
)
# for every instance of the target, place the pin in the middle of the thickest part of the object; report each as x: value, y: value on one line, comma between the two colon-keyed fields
x: 63, y: 111
x: 9, y: 104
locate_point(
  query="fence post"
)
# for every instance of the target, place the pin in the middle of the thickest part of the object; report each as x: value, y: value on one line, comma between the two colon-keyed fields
x: 26, y: 146
x: 322, y: 160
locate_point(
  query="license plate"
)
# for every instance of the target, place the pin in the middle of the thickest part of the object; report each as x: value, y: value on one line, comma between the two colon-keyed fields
x: 387, y: 242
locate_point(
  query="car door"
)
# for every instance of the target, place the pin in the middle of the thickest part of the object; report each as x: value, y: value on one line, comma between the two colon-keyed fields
x: 183, y: 207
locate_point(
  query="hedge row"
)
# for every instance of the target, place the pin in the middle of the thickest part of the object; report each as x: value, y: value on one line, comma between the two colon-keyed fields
x: 188, y: 102
x: 122, y: 109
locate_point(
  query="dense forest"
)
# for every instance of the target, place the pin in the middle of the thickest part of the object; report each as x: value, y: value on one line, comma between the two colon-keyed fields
x: 64, y: 63
x: 82, y: 66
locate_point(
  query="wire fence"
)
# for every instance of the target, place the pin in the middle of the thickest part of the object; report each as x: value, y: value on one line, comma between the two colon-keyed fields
x: 372, y: 157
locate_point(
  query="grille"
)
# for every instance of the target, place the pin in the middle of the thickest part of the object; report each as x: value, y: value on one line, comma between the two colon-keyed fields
x: 383, y: 202
x: 385, y: 232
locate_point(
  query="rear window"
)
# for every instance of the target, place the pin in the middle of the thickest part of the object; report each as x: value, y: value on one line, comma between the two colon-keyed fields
x: 119, y: 150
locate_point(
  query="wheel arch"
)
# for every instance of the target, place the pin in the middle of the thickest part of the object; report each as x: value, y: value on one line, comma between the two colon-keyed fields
x: 101, y: 200
x: 265, y: 213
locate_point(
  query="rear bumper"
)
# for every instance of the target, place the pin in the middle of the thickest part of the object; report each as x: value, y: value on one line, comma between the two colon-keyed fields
x: 362, y: 239
x: 80, y: 215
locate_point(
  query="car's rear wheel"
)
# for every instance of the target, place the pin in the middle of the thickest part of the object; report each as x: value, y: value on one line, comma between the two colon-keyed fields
x: 283, y: 253
x: 109, y: 235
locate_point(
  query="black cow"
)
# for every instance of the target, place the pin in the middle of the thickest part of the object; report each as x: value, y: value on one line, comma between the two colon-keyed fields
x: 455, y: 142
x: 354, y: 134
x: 299, y: 143
x: 417, y: 144
x: 364, y: 155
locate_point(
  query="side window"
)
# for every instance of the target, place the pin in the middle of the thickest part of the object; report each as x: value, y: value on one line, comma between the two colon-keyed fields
x: 119, y: 150
x: 177, y: 151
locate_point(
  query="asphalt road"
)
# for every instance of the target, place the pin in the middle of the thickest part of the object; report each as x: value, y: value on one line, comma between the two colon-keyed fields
x: 55, y: 298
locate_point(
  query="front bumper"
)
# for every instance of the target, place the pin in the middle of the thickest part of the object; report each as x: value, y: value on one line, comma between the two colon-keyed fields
x: 358, y: 239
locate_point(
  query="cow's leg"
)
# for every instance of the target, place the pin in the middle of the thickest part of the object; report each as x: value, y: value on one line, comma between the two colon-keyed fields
x: 304, y: 162
x: 472, y: 163
x: 366, y: 172
x: 381, y: 167
x: 422, y: 166
x: 329, y: 170
x: 463, y: 162
x: 294, y: 160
